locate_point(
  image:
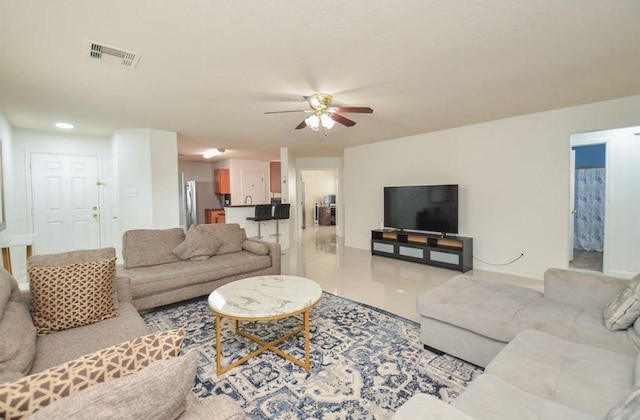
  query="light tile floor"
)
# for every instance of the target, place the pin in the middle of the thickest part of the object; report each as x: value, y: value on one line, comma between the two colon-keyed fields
x: 382, y: 282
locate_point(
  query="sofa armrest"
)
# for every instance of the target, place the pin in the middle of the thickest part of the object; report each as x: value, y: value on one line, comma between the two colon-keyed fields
x: 275, y: 252
x: 426, y: 407
x: 218, y: 407
x: 582, y: 289
x: 122, y: 288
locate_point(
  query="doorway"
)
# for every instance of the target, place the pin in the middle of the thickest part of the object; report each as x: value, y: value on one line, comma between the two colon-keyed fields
x: 318, y: 192
x: 589, y: 175
x: 621, y: 200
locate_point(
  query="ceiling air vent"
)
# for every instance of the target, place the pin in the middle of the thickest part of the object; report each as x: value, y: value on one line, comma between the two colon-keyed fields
x: 111, y: 55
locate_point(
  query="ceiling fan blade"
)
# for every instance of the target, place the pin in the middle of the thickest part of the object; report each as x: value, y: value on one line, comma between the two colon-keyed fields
x: 303, y: 124
x: 357, y: 109
x: 282, y: 112
x: 342, y: 120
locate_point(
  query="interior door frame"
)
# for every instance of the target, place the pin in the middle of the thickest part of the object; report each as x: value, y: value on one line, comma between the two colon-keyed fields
x: 29, y: 191
x: 591, y: 139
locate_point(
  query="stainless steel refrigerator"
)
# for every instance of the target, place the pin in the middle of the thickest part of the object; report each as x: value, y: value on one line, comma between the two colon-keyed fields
x: 198, y: 197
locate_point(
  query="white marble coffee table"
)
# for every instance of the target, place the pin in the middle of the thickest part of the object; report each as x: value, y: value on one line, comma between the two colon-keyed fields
x: 265, y: 298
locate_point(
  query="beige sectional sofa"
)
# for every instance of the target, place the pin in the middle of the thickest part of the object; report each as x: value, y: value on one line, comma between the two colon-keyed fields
x: 159, y: 277
x: 23, y: 353
x: 547, y: 356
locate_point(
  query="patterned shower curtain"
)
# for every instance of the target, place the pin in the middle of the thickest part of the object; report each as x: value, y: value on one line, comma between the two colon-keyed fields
x: 589, y: 220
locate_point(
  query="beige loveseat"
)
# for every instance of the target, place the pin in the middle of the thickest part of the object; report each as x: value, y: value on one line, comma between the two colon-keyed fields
x: 547, y: 356
x: 159, y: 277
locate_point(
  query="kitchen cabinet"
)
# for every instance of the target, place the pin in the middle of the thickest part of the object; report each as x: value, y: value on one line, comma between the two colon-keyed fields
x: 275, y: 184
x: 214, y: 216
x: 221, y: 181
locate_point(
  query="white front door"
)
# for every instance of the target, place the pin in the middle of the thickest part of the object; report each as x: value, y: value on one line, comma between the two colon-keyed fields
x: 253, y: 186
x: 65, y: 201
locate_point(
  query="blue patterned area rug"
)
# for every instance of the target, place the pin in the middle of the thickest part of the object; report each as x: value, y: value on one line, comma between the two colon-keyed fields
x: 365, y: 362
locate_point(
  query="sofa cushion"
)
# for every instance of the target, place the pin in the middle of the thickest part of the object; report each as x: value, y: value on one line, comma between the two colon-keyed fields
x: 36, y: 391
x: 500, y: 311
x: 198, y: 243
x: 624, y: 309
x: 628, y: 408
x: 54, y: 349
x: 17, y: 333
x: 582, y: 377
x: 255, y: 247
x: 147, y: 281
x: 73, y: 295
x: 156, y: 392
x: 489, y: 397
x: 146, y: 247
x: 230, y: 234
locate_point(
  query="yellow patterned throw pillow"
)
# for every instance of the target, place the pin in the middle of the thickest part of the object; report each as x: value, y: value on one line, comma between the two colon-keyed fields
x: 29, y: 394
x: 72, y: 295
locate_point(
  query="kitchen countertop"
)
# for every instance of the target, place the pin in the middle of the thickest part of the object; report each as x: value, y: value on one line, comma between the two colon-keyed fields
x: 248, y: 205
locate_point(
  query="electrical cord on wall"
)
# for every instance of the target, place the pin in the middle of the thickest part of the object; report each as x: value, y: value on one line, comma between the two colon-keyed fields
x: 510, y: 262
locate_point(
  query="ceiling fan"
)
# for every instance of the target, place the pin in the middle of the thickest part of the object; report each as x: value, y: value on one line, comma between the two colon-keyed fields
x: 323, y: 114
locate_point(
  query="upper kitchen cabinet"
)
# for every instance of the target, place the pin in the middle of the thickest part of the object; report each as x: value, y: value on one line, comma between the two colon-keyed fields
x: 221, y: 181
x: 275, y: 186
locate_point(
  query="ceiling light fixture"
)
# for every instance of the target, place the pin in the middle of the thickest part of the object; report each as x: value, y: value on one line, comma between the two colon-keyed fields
x: 321, y: 104
x: 64, y: 125
x: 213, y: 152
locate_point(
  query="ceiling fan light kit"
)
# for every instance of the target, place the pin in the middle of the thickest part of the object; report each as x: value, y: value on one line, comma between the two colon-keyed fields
x: 324, y: 115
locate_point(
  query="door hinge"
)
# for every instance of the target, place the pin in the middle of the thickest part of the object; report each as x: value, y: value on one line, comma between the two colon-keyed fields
x: 100, y: 183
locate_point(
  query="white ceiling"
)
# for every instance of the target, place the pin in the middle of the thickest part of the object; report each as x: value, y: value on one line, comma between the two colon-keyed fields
x: 210, y: 69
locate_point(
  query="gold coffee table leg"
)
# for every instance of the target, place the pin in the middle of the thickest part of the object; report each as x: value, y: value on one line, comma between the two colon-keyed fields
x: 264, y: 346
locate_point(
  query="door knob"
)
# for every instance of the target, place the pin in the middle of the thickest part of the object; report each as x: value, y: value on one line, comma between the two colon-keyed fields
x: 574, y: 211
x: 95, y: 216
x: 95, y: 208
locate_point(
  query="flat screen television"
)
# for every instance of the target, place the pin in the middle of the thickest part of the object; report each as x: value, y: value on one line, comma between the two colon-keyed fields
x: 428, y: 208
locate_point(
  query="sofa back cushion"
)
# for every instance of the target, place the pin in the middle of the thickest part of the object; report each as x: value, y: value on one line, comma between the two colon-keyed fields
x: 230, y: 234
x: 158, y: 391
x: 17, y: 333
x: 146, y: 247
x: 199, y: 244
x: 31, y: 393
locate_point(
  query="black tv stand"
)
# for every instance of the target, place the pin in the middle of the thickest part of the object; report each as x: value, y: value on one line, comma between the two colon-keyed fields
x: 452, y: 252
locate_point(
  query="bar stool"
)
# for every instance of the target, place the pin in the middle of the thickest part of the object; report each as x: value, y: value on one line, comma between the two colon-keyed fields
x: 281, y: 212
x: 262, y: 214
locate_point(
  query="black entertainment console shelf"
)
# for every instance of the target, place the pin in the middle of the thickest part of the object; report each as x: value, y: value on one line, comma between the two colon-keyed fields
x: 452, y: 252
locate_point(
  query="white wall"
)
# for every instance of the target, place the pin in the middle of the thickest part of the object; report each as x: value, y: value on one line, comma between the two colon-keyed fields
x: 135, y: 202
x: 513, y: 176
x: 623, y: 201
x: 26, y: 142
x: 196, y: 171
x: 147, y: 170
x: 164, y: 178
x: 6, y: 139
x: 288, y: 172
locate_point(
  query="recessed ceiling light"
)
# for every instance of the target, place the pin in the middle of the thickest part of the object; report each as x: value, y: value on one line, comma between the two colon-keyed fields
x: 64, y: 125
